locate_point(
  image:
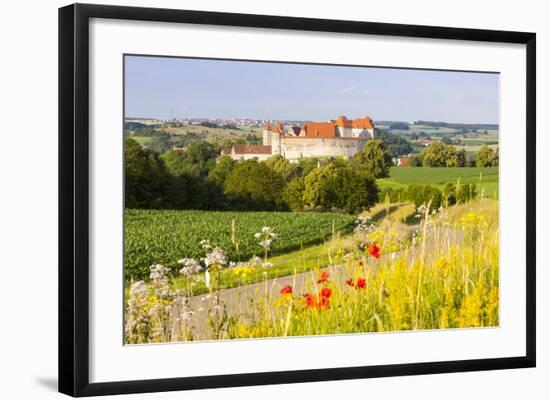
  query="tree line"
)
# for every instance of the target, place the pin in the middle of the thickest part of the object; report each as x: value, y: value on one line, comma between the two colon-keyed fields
x: 195, y: 179
x: 439, y: 154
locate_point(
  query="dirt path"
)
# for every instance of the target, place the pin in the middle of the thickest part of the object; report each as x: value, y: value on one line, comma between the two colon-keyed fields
x: 238, y: 301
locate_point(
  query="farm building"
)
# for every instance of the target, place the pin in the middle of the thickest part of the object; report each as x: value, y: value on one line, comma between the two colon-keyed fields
x: 334, y: 138
x: 247, y: 152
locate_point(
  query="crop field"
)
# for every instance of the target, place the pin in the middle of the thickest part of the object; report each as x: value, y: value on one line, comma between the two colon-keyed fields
x: 486, y: 178
x: 215, y: 134
x: 153, y: 236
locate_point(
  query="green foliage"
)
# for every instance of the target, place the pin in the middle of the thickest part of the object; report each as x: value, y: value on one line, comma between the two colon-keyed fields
x: 293, y: 194
x: 349, y: 190
x: 253, y: 186
x: 169, y: 235
x: 219, y: 173
x: 423, y: 195
x: 314, y: 191
x: 397, y: 145
x: 486, y: 157
x: 374, y: 159
x: 282, y: 167
x: 146, y: 180
x: 440, y: 155
x: 454, y: 193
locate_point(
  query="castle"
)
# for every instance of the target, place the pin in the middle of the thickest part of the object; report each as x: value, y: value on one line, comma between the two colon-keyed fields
x: 334, y: 138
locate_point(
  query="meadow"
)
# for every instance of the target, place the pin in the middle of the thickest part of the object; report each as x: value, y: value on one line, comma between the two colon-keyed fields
x: 485, y: 178
x: 386, y: 276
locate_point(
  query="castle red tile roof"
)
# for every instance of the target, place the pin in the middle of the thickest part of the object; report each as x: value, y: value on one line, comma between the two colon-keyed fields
x: 319, y: 130
x: 364, y: 123
x: 252, y: 149
x: 343, y: 122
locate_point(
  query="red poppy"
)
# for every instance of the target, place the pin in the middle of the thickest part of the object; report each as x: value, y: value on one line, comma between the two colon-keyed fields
x: 323, y: 278
x: 325, y: 297
x: 361, y: 283
x: 286, y: 290
x: 311, y: 300
x: 374, y: 250
x: 349, y: 282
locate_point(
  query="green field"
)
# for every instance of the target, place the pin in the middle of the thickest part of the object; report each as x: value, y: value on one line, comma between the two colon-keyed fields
x: 486, y: 178
x: 215, y: 135
x: 153, y: 236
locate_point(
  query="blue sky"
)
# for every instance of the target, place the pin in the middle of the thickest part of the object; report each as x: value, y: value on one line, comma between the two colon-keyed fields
x: 233, y: 89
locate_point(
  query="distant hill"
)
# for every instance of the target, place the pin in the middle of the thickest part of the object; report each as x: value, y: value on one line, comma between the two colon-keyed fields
x: 459, y: 126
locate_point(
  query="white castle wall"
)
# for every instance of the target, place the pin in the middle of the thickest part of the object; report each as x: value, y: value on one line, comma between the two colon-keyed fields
x: 348, y: 132
x: 296, y: 148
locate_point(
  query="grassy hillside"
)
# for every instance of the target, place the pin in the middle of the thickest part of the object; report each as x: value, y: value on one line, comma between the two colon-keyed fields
x: 485, y: 178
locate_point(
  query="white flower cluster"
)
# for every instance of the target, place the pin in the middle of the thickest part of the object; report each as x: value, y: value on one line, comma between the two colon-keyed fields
x: 139, y: 289
x: 267, y: 236
x: 158, y: 275
x: 363, y: 224
x: 190, y: 266
x: 205, y: 244
x: 216, y: 257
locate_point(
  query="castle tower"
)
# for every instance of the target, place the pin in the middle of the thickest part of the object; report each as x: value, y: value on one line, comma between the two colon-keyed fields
x: 276, y: 139
x: 267, y: 134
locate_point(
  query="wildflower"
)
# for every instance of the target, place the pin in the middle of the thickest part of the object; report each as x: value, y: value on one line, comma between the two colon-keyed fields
x: 267, y: 264
x: 361, y: 283
x: 205, y: 244
x: 311, y: 300
x: 190, y: 266
x: 323, y: 278
x: 422, y: 209
x: 138, y: 289
x: 216, y: 257
x: 286, y: 290
x: 257, y: 235
x: 158, y: 275
x: 324, y: 296
x: 363, y: 225
x: 349, y: 282
x: 374, y: 250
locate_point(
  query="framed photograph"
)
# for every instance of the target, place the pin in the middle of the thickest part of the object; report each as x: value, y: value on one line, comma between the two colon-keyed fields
x: 251, y: 199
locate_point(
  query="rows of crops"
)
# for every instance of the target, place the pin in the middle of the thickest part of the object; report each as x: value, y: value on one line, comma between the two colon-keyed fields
x: 153, y: 236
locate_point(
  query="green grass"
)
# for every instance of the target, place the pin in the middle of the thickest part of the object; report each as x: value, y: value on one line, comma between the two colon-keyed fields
x: 153, y: 236
x: 142, y: 140
x: 484, y: 178
x: 316, y: 256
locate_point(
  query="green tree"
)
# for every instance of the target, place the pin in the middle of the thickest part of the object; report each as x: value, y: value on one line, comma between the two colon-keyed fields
x: 146, y: 180
x: 462, y: 158
x: 279, y: 165
x: 396, y: 145
x: 486, y: 157
x: 223, y: 168
x: 440, y: 155
x: 293, y: 194
x: 350, y: 190
x: 197, y: 159
x: 314, y: 190
x: 374, y: 159
x: 252, y: 185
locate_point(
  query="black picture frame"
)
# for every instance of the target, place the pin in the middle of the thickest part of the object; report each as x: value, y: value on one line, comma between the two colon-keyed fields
x: 74, y: 198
